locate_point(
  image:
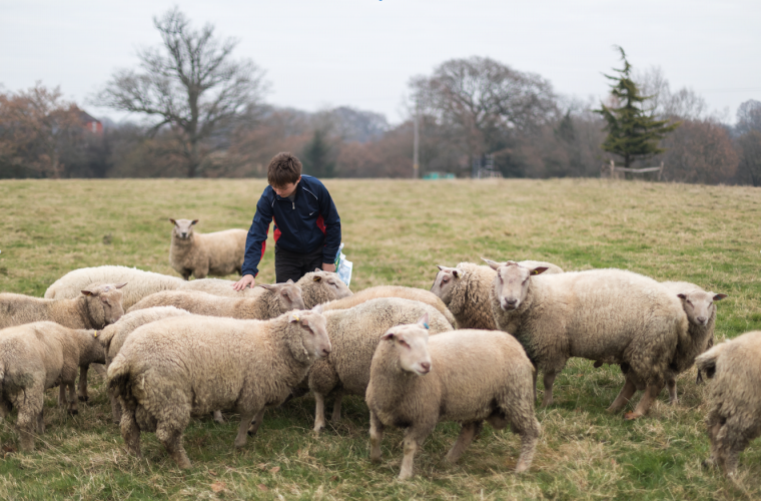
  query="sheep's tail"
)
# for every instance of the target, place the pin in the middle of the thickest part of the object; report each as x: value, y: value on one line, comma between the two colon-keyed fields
x: 706, y: 362
x: 118, y: 376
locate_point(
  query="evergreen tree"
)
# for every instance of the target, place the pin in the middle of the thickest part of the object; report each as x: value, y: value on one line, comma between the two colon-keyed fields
x: 632, y: 133
x: 317, y: 156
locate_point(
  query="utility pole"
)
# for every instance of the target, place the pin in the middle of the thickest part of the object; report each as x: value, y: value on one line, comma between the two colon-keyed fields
x: 416, y: 143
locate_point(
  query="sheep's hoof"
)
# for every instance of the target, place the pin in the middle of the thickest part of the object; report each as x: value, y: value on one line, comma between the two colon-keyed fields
x: 73, y: 412
x: 631, y: 416
x: 83, y: 399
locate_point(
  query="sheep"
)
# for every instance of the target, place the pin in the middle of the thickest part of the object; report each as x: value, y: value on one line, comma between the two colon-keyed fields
x: 274, y: 301
x: 141, y: 283
x: 466, y: 376
x: 219, y: 287
x: 412, y: 293
x: 37, y: 356
x: 354, y: 334
x: 113, y: 336
x: 609, y: 316
x: 318, y: 287
x: 734, y: 414
x: 201, y: 254
x: 465, y: 291
x: 701, y: 313
x: 170, y: 368
x: 96, y: 307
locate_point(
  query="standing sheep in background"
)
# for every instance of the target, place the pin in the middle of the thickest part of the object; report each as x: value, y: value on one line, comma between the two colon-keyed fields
x: 734, y: 415
x: 38, y: 356
x: 701, y: 313
x: 274, y: 301
x: 171, y: 368
x: 113, y: 337
x: 466, y: 376
x: 609, y: 316
x: 466, y: 290
x: 96, y: 307
x: 319, y: 287
x: 354, y: 334
x: 202, y: 254
x: 141, y: 283
x: 399, y: 291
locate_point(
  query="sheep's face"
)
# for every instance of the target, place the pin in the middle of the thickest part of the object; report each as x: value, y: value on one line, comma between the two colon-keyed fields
x: 314, y: 331
x: 410, y: 345
x: 288, y: 295
x: 512, y: 282
x: 444, y: 284
x: 327, y: 281
x: 104, y: 303
x: 699, y: 306
x: 183, y: 228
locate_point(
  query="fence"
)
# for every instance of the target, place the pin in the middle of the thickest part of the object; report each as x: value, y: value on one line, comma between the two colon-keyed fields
x: 614, y: 170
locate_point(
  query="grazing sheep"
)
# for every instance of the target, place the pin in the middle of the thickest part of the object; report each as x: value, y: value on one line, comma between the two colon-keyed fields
x: 37, y: 356
x: 701, y: 313
x: 113, y: 337
x: 466, y: 376
x: 318, y: 287
x: 141, y: 283
x: 354, y: 334
x: 734, y: 415
x: 96, y: 307
x: 379, y: 291
x: 202, y: 254
x: 274, y: 301
x: 609, y: 316
x: 171, y: 368
x: 466, y: 289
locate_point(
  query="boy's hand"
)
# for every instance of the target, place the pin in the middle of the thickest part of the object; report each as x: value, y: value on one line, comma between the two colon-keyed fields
x: 328, y: 267
x: 245, y: 281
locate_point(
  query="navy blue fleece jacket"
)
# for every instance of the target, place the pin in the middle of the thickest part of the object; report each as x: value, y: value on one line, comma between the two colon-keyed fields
x: 309, y: 222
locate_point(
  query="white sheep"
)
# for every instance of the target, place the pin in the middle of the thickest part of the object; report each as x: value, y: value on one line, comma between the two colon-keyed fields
x: 201, y: 254
x: 275, y: 300
x: 141, y: 283
x: 734, y: 415
x: 466, y: 376
x: 171, y: 368
x: 113, y: 337
x: 354, y: 334
x: 399, y: 291
x: 699, y: 306
x: 466, y: 290
x: 319, y: 287
x: 37, y: 356
x: 609, y: 316
x: 219, y: 287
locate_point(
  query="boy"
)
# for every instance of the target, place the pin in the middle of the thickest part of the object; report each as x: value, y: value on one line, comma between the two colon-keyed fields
x: 307, y: 227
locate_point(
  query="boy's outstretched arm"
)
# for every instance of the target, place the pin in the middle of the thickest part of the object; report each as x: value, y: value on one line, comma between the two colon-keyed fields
x: 255, y: 245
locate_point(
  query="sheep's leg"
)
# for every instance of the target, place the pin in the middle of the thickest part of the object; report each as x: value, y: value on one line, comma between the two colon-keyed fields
x: 218, y: 417
x: 246, y: 416
x: 413, y: 438
x: 130, y: 430
x: 671, y: 383
x: 337, y: 406
x: 116, y: 407
x: 549, y: 380
x: 256, y: 423
x: 623, y: 397
x: 41, y: 421
x: 5, y: 407
x: 651, y: 393
x: 82, y: 388
x: 172, y: 439
x: 467, y: 433
x: 319, y: 412
x: 61, y: 395
x: 376, y: 435
x: 72, y: 398
x: 713, y: 433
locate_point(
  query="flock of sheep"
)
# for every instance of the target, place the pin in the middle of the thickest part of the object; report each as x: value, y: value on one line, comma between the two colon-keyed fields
x: 187, y: 348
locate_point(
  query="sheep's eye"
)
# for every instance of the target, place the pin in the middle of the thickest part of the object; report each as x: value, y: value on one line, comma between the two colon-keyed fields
x: 404, y: 343
x: 689, y: 302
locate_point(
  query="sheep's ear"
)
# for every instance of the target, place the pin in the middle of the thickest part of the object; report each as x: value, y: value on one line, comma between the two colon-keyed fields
x: 681, y: 296
x: 88, y: 293
x: 441, y: 267
x: 119, y: 286
x: 269, y: 287
x: 423, y: 321
x: 317, y: 278
x: 317, y: 309
x: 295, y: 317
x: 539, y: 270
x: 172, y: 221
x: 387, y: 335
x: 290, y: 281
x: 193, y: 222
x: 719, y: 297
x: 494, y: 265
x: 457, y: 273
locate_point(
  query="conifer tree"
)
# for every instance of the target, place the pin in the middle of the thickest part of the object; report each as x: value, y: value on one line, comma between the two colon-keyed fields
x: 632, y: 132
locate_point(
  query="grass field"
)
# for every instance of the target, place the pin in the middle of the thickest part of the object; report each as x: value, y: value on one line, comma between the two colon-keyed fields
x: 395, y: 233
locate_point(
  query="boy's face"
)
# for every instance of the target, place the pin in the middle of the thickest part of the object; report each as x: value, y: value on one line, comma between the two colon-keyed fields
x: 287, y: 190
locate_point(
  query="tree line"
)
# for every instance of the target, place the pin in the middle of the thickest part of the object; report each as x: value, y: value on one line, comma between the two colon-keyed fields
x: 202, y: 113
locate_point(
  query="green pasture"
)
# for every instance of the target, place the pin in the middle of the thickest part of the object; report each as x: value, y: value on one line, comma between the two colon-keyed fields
x: 396, y: 232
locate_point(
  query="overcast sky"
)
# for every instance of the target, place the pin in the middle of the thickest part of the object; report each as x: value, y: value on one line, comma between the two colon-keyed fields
x: 362, y: 53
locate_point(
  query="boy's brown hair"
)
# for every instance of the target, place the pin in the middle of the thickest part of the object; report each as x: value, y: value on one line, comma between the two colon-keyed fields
x: 284, y: 168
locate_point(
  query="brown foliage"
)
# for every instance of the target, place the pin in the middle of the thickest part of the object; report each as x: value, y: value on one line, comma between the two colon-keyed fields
x: 699, y: 151
x: 749, y: 146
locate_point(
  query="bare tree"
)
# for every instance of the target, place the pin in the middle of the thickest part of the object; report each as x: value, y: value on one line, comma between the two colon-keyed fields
x: 189, y: 84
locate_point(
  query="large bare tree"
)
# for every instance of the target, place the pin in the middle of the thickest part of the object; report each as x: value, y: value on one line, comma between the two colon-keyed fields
x: 190, y: 83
